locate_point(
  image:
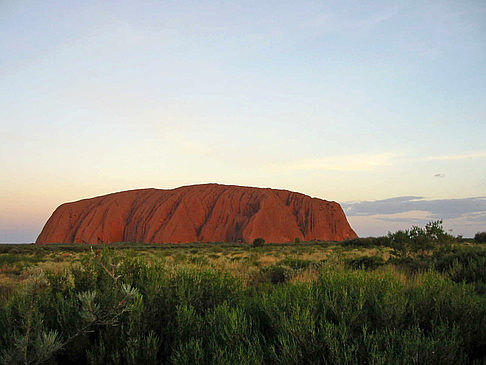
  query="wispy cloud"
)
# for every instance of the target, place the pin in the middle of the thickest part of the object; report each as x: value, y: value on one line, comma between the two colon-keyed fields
x: 370, y: 218
x: 357, y: 162
x: 361, y: 162
x: 463, y: 156
x: 437, y: 208
x: 335, y: 23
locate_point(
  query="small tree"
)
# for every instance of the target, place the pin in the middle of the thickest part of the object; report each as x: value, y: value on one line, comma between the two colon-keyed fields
x: 257, y: 242
x: 436, y: 233
x: 399, y: 241
x: 418, y: 239
x: 480, y: 237
x: 297, y: 240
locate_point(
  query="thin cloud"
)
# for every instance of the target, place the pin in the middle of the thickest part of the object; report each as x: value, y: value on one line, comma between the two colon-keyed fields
x: 335, y: 23
x: 463, y: 156
x: 358, y: 162
x: 437, y: 208
x: 371, y: 218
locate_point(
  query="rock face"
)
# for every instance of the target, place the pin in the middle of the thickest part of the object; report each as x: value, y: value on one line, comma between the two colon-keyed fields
x: 197, y: 213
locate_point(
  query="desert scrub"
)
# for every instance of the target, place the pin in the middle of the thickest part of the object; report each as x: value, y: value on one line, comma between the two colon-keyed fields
x: 297, y: 264
x: 480, y: 237
x: 274, y: 274
x: 365, y: 262
x: 114, y: 307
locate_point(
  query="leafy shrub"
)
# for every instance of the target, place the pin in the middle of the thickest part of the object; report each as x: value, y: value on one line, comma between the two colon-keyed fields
x: 382, y: 241
x: 480, y: 237
x: 296, y: 264
x: 359, y: 242
x: 274, y: 274
x: 418, y: 239
x: 257, y: 242
x: 117, y: 309
x: 365, y: 262
x: 282, y: 271
x: 368, y: 242
x: 412, y: 264
x: 464, y: 265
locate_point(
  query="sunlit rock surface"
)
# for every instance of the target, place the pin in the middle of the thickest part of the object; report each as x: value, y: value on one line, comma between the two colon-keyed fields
x: 204, y: 213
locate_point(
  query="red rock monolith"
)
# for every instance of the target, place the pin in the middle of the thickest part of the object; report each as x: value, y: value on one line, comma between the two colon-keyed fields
x: 197, y: 213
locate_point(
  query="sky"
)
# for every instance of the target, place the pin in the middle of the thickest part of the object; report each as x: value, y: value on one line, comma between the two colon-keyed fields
x: 378, y: 105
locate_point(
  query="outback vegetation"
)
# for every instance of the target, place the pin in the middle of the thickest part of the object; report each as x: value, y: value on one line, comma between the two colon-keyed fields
x: 480, y: 237
x: 412, y: 297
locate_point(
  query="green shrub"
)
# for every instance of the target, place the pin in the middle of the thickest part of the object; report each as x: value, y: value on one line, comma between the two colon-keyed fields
x: 412, y: 264
x: 365, y: 262
x: 464, y: 265
x: 418, y: 239
x: 382, y: 241
x: 114, y: 308
x: 480, y: 237
x: 274, y: 274
x: 443, y: 345
x: 257, y: 242
x: 296, y: 264
x: 364, y: 242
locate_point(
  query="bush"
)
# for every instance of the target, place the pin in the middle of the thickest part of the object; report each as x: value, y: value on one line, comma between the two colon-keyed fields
x: 464, y: 265
x: 418, y: 239
x: 296, y: 264
x: 274, y: 274
x: 365, y: 262
x: 480, y: 237
x: 359, y: 242
x: 116, y: 309
x: 257, y: 242
x: 412, y: 264
x: 382, y: 241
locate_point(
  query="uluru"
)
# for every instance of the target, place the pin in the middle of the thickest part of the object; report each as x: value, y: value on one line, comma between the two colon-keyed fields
x: 197, y: 213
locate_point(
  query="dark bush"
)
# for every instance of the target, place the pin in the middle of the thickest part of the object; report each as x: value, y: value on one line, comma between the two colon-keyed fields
x: 257, y: 242
x: 412, y: 264
x: 418, y: 239
x: 365, y: 262
x: 382, y: 241
x: 367, y: 242
x: 480, y: 237
x: 275, y: 274
x: 464, y: 265
x: 296, y: 264
x: 359, y: 242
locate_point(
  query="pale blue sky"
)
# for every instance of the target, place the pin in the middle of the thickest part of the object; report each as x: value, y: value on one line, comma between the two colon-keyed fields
x: 344, y: 100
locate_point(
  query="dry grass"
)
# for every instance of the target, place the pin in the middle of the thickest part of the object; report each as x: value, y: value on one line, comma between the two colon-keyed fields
x: 306, y: 276
x: 242, y: 261
x: 268, y: 260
